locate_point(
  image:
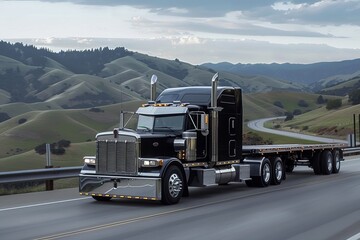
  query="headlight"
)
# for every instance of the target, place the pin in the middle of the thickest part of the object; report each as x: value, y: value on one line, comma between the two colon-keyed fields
x: 90, y: 160
x: 150, y: 162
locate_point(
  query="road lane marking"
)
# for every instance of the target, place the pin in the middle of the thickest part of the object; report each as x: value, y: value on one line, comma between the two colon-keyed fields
x: 137, y: 219
x: 355, y: 237
x: 43, y: 204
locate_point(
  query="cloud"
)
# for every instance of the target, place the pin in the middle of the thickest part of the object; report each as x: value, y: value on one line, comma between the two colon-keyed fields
x: 329, y: 12
x: 197, y: 51
x: 187, y: 40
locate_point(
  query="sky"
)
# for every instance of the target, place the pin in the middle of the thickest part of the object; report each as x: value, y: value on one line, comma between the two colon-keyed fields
x: 193, y: 31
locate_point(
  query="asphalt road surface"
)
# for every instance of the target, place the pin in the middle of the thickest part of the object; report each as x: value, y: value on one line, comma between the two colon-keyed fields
x: 305, y: 206
x: 258, y: 125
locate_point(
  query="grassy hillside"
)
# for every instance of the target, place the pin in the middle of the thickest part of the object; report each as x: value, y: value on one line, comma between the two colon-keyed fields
x: 81, y: 125
x: 323, y: 122
x: 77, y: 126
x: 74, y: 95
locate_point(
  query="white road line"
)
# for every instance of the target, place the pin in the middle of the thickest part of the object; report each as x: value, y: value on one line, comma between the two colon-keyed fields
x: 355, y: 237
x: 43, y: 204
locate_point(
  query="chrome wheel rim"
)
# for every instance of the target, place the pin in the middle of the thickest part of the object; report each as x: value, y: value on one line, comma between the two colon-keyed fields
x: 337, y: 162
x: 266, y: 172
x: 175, y: 185
x: 278, y: 171
x: 329, y: 164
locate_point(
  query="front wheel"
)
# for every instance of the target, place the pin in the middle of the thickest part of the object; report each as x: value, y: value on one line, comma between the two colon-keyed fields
x: 172, y: 185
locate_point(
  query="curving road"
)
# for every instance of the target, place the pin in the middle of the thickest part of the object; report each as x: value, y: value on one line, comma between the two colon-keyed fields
x: 305, y: 206
x: 258, y: 125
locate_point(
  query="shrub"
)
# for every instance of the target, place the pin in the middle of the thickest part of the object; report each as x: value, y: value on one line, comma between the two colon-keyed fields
x: 354, y: 97
x: 289, y: 116
x: 297, y: 112
x: 333, y: 104
x: 320, y: 100
x: 278, y: 104
x: 303, y: 103
x: 4, y: 116
x: 55, y: 148
x: 22, y: 120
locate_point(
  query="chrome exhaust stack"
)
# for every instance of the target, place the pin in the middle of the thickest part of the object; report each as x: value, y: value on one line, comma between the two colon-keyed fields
x: 214, y: 118
x: 153, y: 87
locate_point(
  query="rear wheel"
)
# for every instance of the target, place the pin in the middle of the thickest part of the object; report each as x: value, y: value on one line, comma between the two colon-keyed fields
x: 277, y: 171
x: 265, y: 178
x: 172, y: 185
x: 336, y: 161
x: 326, y: 162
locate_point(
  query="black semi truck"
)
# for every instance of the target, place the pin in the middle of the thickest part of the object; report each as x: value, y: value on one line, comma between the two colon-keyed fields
x: 191, y: 136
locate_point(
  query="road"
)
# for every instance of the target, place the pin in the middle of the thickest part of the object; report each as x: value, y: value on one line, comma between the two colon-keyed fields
x: 258, y: 125
x: 305, y: 206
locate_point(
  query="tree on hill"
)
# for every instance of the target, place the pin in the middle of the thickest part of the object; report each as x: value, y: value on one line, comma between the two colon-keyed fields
x: 333, y: 104
x: 57, y: 148
x: 320, y: 100
x: 4, y: 116
x: 89, y: 61
x: 354, y: 97
x: 303, y: 103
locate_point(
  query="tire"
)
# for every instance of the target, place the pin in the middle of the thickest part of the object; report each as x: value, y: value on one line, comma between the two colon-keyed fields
x: 327, y: 160
x: 277, y: 171
x: 101, y: 199
x: 316, y: 163
x: 265, y: 178
x: 336, y: 161
x: 172, y: 186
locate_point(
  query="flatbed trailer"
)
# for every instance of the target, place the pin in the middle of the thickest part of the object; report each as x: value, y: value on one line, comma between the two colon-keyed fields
x: 191, y: 136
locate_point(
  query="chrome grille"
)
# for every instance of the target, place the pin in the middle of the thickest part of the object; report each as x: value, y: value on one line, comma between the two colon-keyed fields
x: 117, y: 157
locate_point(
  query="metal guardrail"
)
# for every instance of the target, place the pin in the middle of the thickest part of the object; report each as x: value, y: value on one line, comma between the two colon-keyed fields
x: 351, y: 151
x: 69, y: 172
x: 39, y: 174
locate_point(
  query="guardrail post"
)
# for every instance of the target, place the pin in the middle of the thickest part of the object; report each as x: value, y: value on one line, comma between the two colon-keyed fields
x: 49, y: 184
x: 354, y: 116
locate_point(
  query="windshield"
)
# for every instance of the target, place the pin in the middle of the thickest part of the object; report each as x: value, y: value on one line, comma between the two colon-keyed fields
x: 161, y: 123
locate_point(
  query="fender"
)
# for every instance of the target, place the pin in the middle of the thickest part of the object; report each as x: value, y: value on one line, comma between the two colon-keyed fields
x: 255, y: 165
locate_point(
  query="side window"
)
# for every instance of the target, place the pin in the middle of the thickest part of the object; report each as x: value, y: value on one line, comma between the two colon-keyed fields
x: 232, y: 130
x: 232, y: 148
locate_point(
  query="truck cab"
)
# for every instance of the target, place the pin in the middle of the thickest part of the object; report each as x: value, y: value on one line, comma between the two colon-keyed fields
x: 188, y: 136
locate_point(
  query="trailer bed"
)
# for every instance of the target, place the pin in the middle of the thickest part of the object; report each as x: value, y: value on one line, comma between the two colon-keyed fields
x: 281, y: 148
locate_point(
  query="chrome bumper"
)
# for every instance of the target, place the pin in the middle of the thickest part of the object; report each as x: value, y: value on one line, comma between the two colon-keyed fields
x: 120, y: 187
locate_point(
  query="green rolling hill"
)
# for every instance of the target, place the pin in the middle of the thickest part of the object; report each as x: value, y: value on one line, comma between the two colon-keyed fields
x: 74, y: 95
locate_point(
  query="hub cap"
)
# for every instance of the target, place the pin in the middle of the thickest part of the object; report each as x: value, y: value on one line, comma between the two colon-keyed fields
x: 266, y: 173
x: 175, y: 185
x: 278, y: 171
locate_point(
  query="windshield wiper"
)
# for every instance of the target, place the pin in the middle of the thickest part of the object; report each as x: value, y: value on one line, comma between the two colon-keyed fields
x: 145, y: 127
x: 170, y: 128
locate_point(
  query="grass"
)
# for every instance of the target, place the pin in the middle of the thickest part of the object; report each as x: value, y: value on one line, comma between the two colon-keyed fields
x: 333, y: 123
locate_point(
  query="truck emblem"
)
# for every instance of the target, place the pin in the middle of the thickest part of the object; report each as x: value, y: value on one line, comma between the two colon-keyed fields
x: 155, y: 144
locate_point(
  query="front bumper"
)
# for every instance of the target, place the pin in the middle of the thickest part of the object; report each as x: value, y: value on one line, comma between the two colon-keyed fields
x: 120, y: 187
